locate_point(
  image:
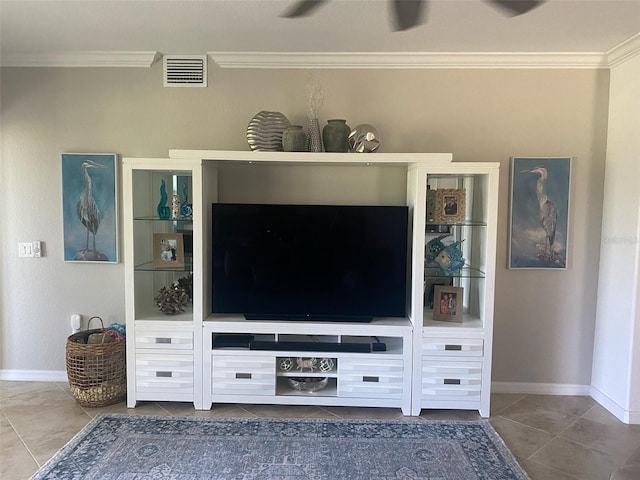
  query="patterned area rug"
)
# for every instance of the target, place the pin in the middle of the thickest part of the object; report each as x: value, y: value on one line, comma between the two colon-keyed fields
x: 127, y: 447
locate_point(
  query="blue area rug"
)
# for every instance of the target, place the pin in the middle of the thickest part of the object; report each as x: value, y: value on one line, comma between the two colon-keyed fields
x: 126, y: 447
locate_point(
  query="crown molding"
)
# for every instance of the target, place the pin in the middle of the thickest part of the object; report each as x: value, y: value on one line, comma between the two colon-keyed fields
x: 408, y: 60
x: 81, y: 59
x: 624, y: 51
x: 345, y: 60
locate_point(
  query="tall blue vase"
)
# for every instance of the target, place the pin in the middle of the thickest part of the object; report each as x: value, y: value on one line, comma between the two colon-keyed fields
x: 163, y: 210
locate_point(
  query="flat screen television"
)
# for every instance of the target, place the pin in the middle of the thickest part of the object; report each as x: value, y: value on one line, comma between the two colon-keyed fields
x: 309, y: 262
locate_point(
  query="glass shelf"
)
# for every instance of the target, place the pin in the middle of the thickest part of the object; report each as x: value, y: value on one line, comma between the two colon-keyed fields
x: 466, y: 223
x: 448, y: 176
x: 158, y: 219
x: 465, y: 272
x: 150, y: 267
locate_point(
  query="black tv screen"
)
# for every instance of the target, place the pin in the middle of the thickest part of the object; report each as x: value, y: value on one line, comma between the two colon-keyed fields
x: 309, y: 262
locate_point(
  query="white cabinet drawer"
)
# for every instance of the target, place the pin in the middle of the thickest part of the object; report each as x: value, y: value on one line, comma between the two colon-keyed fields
x: 451, y: 380
x: 243, y: 375
x: 452, y: 347
x: 164, y: 373
x: 370, y: 378
x: 164, y: 339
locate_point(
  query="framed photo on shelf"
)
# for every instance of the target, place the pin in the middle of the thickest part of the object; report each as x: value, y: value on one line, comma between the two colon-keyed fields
x: 450, y: 205
x: 168, y: 250
x: 430, y: 287
x: 447, y: 303
x: 539, y: 212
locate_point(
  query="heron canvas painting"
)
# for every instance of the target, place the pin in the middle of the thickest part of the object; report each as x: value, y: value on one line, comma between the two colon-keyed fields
x: 89, y: 207
x: 539, y: 212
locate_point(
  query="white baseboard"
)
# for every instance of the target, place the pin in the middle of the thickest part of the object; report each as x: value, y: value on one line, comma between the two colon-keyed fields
x: 33, y: 376
x: 540, y: 388
x: 621, y: 413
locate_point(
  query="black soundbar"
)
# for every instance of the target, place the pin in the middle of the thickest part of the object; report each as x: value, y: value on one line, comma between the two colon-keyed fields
x: 312, y: 346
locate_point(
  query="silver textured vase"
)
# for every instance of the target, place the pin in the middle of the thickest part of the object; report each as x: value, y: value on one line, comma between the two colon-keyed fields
x: 264, y: 132
x: 315, y: 140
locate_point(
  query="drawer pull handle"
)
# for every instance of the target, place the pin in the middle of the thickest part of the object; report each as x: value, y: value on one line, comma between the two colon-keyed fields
x: 243, y: 375
x: 163, y: 340
x: 164, y: 374
x: 371, y: 379
x: 452, y: 381
x: 453, y: 347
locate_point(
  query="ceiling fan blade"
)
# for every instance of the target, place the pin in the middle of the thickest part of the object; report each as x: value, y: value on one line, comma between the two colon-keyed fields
x: 407, y: 13
x: 517, y: 7
x: 302, y: 8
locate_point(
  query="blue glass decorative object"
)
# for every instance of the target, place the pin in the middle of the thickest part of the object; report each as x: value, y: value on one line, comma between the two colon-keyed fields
x: 444, y: 259
x: 164, y: 212
x: 186, y: 210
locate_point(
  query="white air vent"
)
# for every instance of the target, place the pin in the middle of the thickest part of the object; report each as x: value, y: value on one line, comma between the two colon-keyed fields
x: 185, y: 71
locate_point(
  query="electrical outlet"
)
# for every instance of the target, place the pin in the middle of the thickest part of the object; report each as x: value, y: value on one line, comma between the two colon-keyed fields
x: 75, y: 322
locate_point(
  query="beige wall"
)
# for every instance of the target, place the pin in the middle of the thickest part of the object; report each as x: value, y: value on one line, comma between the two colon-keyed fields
x: 544, y: 320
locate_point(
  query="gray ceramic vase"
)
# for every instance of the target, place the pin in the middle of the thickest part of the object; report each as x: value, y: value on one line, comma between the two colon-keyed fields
x: 294, y: 139
x: 335, y: 136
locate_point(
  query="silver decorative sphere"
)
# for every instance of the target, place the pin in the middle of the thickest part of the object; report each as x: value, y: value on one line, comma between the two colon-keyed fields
x: 364, y: 139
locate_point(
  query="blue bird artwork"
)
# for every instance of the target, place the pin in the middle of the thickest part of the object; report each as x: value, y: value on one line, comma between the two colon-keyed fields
x: 539, y: 212
x: 89, y: 207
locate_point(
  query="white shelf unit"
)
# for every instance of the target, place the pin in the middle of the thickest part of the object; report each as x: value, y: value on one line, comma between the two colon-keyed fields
x: 163, y: 351
x: 452, y: 360
x: 393, y: 378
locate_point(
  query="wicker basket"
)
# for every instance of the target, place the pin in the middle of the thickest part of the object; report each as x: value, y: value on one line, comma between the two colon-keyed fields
x: 97, y: 372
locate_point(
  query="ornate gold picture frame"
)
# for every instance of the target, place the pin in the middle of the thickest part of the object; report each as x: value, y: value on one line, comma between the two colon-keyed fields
x: 450, y: 205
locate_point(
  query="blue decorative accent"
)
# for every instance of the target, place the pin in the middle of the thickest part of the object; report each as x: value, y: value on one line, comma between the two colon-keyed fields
x: 164, y: 212
x: 199, y: 448
x: 441, y: 259
x: 186, y: 210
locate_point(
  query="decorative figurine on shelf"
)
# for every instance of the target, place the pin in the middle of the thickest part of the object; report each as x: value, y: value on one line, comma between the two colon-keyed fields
x: 441, y: 259
x: 164, y: 212
x: 175, y: 207
x: 326, y: 365
x: 186, y: 210
x: 173, y: 298
x: 364, y: 139
x: 434, y: 247
x: 310, y: 363
x: 286, y: 364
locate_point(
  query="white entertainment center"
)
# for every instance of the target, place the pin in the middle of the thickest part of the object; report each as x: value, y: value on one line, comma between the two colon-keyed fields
x: 409, y: 363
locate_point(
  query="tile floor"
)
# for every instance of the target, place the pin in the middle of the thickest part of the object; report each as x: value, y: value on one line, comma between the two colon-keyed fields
x: 553, y: 437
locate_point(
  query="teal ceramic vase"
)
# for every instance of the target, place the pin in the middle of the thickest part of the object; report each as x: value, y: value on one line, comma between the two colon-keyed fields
x: 335, y: 136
